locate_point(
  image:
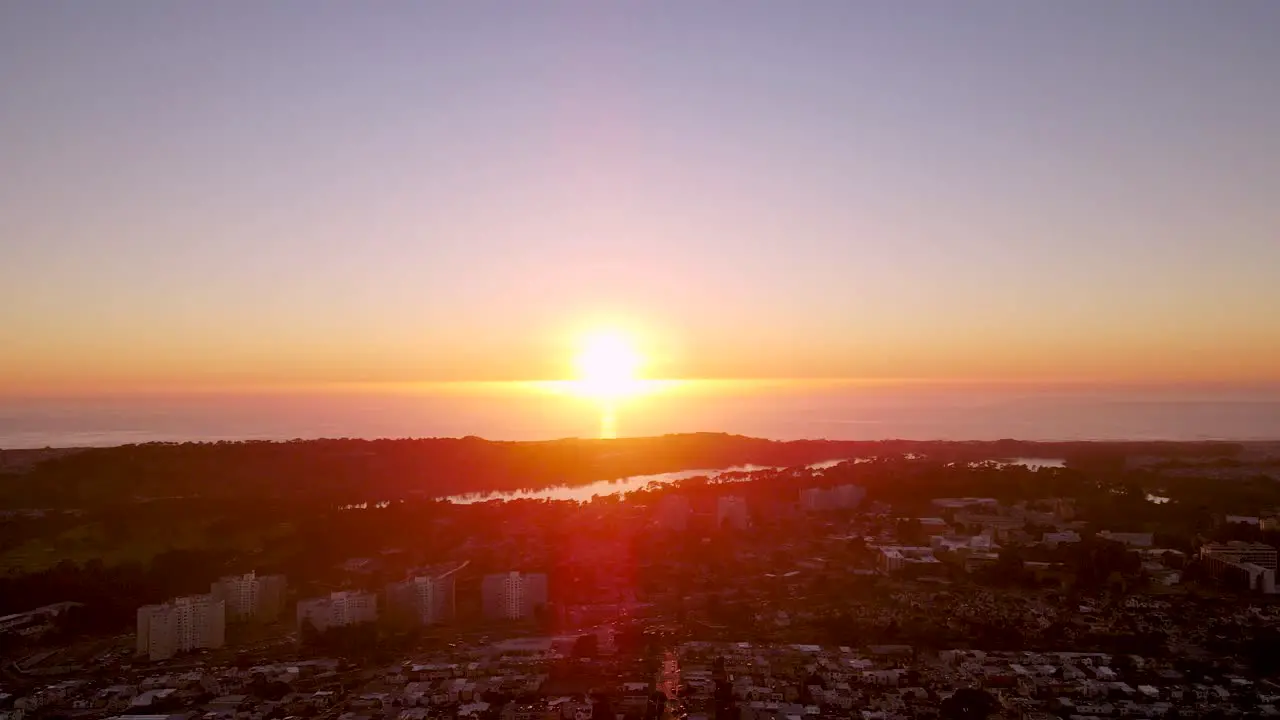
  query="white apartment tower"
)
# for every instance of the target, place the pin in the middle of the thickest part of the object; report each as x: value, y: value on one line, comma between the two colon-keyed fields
x: 513, y: 595
x: 338, y: 609
x: 251, y: 596
x: 423, y: 599
x: 180, y: 625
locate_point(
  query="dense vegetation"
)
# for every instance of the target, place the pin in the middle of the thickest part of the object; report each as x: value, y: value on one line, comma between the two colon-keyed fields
x: 369, y: 470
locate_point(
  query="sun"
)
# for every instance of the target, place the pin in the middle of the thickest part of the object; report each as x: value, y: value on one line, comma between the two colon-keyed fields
x: 607, y: 365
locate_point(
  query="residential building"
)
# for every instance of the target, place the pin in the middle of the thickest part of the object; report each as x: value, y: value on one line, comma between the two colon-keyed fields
x: 1054, y: 539
x: 1129, y: 538
x: 731, y: 512
x: 1243, y: 564
x: 338, y: 609
x: 1242, y: 575
x: 251, y: 596
x: 513, y: 595
x: 933, y: 526
x: 999, y: 525
x: 835, y: 498
x: 977, y: 560
x: 425, y: 599
x: 180, y: 625
x: 894, y: 558
x: 966, y: 503
x: 961, y: 543
x: 1242, y: 520
x: 1236, y: 551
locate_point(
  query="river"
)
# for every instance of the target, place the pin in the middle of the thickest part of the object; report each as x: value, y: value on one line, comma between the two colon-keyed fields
x: 620, y: 485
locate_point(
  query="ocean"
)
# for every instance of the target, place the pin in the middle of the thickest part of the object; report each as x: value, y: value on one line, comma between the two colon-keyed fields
x: 540, y: 411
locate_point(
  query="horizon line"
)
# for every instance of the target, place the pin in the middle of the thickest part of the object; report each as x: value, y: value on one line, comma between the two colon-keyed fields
x: 649, y: 385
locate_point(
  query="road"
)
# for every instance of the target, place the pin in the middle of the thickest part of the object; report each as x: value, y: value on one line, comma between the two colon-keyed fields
x: 668, y: 683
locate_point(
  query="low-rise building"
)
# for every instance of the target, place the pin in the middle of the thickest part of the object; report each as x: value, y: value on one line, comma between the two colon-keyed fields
x: 961, y: 543
x: 1245, y: 565
x: 966, y: 503
x: 1054, y: 539
x: 977, y: 560
x: 1132, y: 539
x: 1242, y: 520
x: 895, y: 558
x: 1236, y: 551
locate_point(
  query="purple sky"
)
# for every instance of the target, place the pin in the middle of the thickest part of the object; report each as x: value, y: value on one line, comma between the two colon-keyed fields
x: 201, y: 192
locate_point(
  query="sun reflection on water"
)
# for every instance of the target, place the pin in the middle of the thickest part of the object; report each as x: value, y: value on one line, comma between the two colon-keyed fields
x: 608, y: 423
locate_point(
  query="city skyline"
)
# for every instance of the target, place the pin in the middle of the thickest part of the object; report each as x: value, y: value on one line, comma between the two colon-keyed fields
x: 205, y: 197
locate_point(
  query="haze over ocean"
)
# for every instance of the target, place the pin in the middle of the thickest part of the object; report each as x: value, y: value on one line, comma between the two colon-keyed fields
x: 780, y: 411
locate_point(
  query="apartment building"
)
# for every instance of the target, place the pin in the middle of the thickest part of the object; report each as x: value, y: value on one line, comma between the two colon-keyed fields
x: 513, y: 595
x: 1242, y: 564
x: 251, y: 596
x: 180, y: 625
x: 896, y: 558
x: 1259, y: 554
x: 338, y: 609
x: 426, y: 599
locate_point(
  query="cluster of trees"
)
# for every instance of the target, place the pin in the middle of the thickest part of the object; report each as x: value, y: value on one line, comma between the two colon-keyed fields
x: 969, y: 704
x: 1093, y: 564
x: 111, y: 593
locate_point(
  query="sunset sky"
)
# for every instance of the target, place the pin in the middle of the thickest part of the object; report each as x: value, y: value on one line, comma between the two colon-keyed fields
x: 200, y: 194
